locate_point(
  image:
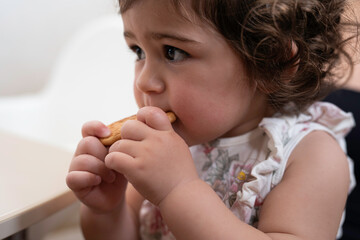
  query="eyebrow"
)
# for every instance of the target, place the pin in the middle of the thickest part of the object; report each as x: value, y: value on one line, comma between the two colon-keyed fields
x: 159, y: 36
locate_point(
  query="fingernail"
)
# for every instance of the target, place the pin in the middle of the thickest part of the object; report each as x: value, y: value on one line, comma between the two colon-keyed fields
x: 105, y: 132
x: 97, y: 180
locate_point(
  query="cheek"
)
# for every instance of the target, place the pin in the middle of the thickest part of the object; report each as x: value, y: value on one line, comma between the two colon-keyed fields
x: 209, y: 113
x: 201, y: 117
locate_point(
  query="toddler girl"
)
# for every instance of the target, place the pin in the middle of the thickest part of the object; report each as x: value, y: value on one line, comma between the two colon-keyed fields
x: 252, y: 154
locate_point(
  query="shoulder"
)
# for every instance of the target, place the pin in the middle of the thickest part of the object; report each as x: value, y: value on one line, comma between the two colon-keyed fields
x: 319, y: 150
x: 320, y: 157
x: 310, y: 199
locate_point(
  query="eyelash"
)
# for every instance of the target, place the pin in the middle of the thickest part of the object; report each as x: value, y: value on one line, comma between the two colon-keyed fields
x: 168, y: 51
x: 138, y: 52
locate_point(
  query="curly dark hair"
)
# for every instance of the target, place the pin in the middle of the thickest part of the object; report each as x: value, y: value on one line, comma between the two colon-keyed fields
x: 264, y: 33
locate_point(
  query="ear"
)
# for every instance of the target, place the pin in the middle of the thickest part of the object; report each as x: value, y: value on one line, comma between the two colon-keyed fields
x: 269, y: 87
x: 292, y: 70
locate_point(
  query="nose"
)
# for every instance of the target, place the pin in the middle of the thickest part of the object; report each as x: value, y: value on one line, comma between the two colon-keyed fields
x: 149, y: 78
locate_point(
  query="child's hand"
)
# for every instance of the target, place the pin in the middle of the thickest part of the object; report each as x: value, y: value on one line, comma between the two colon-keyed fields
x: 98, y: 187
x: 151, y: 155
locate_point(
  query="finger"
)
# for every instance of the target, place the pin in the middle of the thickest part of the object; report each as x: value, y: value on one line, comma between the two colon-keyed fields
x: 79, y: 180
x: 89, y: 163
x: 95, y: 128
x: 125, y: 146
x: 134, y: 130
x: 155, y: 118
x: 120, y: 162
x: 92, y: 146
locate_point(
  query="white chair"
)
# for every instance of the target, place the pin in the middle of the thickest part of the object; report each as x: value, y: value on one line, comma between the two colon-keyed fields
x: 32, y: 34
x: 91, y: 80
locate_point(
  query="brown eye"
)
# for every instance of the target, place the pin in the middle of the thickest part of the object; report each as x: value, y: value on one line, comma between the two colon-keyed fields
x: 139, y: 52
x: 175, y: 54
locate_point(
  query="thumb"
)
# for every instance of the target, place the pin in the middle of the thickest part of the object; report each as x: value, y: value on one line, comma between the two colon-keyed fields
x: 155, y: 118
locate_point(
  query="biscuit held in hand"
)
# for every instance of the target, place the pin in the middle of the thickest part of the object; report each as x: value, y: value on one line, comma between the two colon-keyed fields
x: 116, y: 128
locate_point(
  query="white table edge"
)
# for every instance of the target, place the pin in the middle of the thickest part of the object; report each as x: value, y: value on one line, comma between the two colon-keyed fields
x: 19, y: 220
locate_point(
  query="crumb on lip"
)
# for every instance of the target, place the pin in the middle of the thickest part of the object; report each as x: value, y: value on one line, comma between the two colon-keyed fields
x: 172, y: 117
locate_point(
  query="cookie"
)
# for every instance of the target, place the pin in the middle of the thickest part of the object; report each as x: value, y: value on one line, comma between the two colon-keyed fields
x: 115, y: 128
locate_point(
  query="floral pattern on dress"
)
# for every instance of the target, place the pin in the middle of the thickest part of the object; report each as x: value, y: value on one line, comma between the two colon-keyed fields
x: 226, y: 174
x: 152, y: 224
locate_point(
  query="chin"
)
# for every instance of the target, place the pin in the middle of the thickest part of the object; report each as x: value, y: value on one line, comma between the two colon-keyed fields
x: 190, y: 140
x: 182, y: 133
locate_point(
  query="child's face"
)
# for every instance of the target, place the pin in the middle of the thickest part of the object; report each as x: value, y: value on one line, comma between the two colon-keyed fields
x: 191, y: 70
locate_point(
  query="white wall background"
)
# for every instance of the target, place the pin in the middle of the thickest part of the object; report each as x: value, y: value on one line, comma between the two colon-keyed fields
x: 62, y: 63
x: 32, y: 34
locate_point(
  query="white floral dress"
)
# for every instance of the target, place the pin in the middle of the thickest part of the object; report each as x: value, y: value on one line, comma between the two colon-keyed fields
x: 242, y: 170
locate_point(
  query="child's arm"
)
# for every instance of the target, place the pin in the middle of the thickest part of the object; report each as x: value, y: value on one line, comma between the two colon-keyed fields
x: 119, y: 224
x: 307, y: 204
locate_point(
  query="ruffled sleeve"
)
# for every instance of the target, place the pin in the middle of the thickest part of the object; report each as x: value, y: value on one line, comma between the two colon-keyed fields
x: 286, y: 132
x: 332, y: 117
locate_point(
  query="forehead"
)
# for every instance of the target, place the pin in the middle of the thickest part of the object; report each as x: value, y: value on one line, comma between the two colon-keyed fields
x: 178, y: 8
x: 162, y: 14
x: 126, y: 4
